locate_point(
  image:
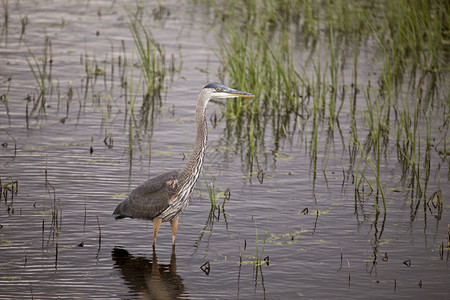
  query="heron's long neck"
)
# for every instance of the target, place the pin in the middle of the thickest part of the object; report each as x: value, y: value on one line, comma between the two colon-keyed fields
x: 194, y: 165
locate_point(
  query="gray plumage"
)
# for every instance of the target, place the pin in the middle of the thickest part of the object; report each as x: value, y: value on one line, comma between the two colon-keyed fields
x: 149, y: 199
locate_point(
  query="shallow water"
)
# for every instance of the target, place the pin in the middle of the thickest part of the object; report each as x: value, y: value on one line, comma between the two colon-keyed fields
x: 57, y: 235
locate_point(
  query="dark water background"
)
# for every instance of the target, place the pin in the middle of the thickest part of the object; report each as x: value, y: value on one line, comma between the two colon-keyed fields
x: 340, y: 248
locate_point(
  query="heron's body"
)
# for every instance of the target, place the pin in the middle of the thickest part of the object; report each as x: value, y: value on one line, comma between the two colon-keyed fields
x: 163, y: 198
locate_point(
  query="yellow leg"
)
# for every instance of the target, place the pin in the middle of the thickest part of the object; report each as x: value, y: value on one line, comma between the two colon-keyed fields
x: 156, y: 224
x: 174, y: 224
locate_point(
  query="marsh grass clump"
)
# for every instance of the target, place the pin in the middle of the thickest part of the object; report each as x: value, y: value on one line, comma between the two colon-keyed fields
x: 375, y: 166
x: 413, y: 34
x: 41, y: 67
x: 4, y: 96
x: 211, y: 190
x: 10, y: 188
x: 148, y: 77
x: 215, y: 196
x: 294, y: 56
x: 253, y: 61
x: 152, y: 58
x: 259, y: 260
x: 5, y: 5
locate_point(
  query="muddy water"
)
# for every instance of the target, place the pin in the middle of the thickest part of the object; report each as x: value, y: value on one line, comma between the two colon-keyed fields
x: 75, y: 159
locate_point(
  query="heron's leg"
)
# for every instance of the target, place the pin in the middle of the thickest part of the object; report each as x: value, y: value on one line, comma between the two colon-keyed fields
x: 174, y: 224
x: 156, y: 224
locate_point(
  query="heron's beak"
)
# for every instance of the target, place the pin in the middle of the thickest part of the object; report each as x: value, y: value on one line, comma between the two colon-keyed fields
x: 237, y: 93
x: 232, y: 93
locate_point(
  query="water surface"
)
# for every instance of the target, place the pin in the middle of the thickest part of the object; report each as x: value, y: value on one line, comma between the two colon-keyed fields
x: 75, y: 159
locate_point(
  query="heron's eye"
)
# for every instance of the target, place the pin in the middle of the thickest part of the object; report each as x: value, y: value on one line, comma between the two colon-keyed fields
x: 218, y: 89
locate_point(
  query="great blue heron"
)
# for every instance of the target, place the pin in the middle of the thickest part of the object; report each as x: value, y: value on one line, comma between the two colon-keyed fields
x: 164, y: 197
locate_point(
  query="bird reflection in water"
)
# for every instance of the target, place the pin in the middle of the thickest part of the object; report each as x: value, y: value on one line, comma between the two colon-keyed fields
x: 149, y: 279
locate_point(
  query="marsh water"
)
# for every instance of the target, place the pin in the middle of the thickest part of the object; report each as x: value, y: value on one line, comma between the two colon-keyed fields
x: 285, y: 229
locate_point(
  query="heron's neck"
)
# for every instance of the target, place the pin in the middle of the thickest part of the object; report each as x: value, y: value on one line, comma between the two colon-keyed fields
x: 194, y: 164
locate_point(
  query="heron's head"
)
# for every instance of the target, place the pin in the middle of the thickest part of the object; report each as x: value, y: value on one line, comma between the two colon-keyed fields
x: 219, y: 91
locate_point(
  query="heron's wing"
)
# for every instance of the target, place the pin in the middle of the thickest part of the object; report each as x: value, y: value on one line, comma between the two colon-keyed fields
x: 150, y: 198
